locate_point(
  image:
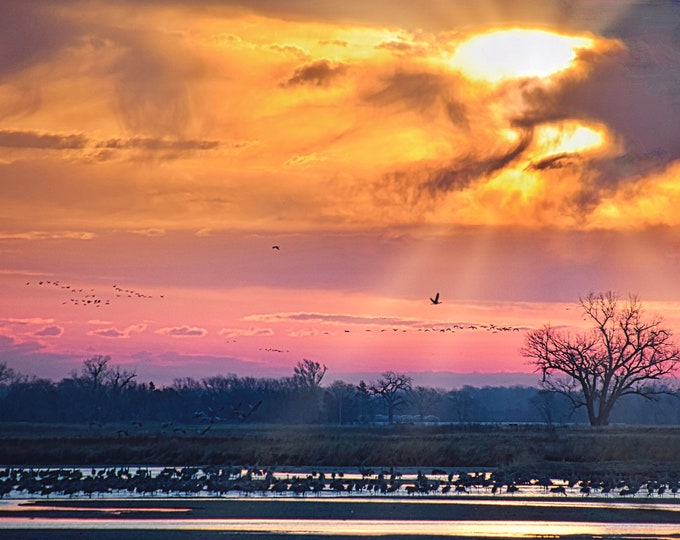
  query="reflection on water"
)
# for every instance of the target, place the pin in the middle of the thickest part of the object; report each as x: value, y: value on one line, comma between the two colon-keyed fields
x: 330, y: 527
x: 34, y: 505
x: 19, y: 506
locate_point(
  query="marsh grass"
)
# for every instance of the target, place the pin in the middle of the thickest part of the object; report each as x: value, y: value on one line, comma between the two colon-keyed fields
x: 450, y: 446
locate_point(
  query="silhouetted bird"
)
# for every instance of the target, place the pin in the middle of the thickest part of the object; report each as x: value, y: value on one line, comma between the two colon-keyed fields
x: 277, y: 248
x: 435, y: 300
x: 244, y: 415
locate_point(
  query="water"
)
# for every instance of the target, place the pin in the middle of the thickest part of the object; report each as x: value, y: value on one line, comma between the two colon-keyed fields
x: 331, y: 527
x: 533, y: 512
x: 178, y: 514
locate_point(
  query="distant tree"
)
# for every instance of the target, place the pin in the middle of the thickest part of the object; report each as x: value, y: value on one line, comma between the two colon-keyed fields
x: 306, y: 398
x: 363, y: 395
x: 220, y: 383
x: 341, y: 394
x: 100, y: 387
x: 545, y: 403
x: 7, y: 374
x: 625, y: 353
x: 391, y: 388
x: 94, y: 372
x: 117, y: 378
x: 424, y: 399
x: 309, y: 374
x: 461, y: 403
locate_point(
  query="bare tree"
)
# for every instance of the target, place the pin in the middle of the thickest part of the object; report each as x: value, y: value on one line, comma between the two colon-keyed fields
x: 7, y: 374
x: 102, y: 383
x: 117, y: 378
x: 94, y: 372
x: 624, y: 353
x: 424, y: 399
x: 308, y: 374
x: 184, y: 384
x: 461, y: 402
x: 544, y: 402
x: 391, y: 388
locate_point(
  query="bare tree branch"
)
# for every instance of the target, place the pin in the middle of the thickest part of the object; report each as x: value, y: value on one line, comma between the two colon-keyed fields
x: 624, y: 352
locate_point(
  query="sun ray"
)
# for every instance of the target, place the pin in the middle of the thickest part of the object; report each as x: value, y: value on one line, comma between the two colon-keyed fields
x: 516, y: 53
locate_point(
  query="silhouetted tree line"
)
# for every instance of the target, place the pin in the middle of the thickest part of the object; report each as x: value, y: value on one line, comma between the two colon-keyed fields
x: 102, y: 392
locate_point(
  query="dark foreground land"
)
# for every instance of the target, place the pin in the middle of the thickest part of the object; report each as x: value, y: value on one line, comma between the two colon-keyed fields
x: 577, y: 448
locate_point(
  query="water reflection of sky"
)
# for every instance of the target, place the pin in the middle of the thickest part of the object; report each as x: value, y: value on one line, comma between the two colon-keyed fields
x: 42, y: 504
x: 331, y: 527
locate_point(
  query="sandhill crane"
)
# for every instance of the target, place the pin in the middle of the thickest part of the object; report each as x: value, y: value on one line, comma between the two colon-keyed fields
x: 435, y: 300
x: 244, y: 415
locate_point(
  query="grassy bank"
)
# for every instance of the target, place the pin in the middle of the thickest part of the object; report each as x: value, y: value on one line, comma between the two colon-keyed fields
x: 613, y: 448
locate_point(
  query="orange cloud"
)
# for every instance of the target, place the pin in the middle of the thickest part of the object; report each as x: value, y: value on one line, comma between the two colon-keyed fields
x: 243, y: 118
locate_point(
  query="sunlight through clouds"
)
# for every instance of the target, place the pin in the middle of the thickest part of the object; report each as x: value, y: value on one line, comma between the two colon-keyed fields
x: 516, y: 53
x: 512, y: 152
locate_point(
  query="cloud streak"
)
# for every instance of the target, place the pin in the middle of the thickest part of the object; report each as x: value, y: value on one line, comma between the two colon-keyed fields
x: 49, y: 331
x: 114, y: 333
x: 183, y: 331
x: 32, y: 139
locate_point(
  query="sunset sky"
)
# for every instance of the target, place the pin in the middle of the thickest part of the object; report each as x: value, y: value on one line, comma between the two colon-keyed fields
x: 509, y: 155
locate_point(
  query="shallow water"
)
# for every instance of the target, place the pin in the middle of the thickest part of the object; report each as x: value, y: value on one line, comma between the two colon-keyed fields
x: 475, y: 513
x: 330, y: 527
x: 108, y: 514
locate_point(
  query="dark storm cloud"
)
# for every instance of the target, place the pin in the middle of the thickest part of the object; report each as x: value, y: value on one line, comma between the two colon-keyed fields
x: 318, y: 73
x: 462, y: 172
x: 557, y: 161
x: 421, y: 91
x: 633, y: 89
x: 34, y: 139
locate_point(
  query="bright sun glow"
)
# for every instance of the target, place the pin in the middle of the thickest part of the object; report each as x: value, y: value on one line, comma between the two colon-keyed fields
x: 552, y: 139
x: 516, y: 53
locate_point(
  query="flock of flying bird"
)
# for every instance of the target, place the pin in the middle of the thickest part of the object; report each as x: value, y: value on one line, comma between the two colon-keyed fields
x: 434, y: 300
x: 89, y: 297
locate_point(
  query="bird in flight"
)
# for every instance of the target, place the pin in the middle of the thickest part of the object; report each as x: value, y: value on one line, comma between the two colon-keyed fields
x: 435, y: 300
x: 277, y: 248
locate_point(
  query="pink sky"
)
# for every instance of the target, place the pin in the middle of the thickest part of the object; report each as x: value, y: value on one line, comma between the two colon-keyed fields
x: 510, y: 156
